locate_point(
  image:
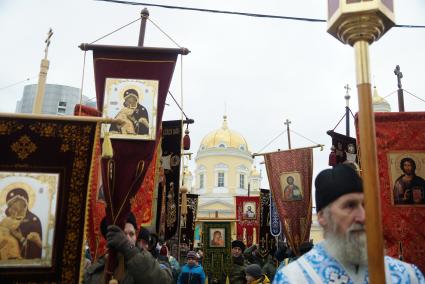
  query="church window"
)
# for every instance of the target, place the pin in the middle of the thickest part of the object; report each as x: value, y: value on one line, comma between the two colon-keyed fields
x: 201, y: 181
x: 220, y: 179
x: 242, y: 148
x: 222, y: 145
x: 241, y: 181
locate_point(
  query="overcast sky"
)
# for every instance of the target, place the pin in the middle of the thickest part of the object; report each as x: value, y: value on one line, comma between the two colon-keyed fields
x: 264, y: 70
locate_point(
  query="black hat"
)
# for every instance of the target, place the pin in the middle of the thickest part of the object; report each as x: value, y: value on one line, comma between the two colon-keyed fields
x: 254, y: 270
x: 333, y: 183
x: 239, y: 244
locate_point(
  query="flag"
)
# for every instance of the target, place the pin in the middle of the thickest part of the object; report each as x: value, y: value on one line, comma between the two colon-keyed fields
x: 290, y: 175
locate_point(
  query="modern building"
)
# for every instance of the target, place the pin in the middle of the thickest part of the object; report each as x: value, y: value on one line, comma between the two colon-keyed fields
x: 58, y: 99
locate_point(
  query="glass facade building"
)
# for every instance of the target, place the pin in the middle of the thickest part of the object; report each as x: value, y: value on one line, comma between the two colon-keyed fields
x: 58, y: 99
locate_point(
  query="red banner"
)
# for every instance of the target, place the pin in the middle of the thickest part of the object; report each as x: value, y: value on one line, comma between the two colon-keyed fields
x: 248, y: 215
x: 400, y: 140
x: 290, y: 175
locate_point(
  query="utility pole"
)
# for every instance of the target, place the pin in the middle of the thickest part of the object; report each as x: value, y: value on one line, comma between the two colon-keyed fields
x: 41, y: 86
x: 347, y: 110
x: 287, y: 122
x: 399, y: 75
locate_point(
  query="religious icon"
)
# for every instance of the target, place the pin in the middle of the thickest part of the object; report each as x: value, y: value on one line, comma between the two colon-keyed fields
x: 217, y: 237
x: 27, y: 218
x: 249, y: 211
x: 290, y: 184
x: 133, y: 103
x: 406, y: 172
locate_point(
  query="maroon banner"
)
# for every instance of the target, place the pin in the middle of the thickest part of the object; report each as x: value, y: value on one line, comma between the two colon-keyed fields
x: 248, y: 215
x: 290, y: 175
x: 120, y: 74
x: 400, y: 140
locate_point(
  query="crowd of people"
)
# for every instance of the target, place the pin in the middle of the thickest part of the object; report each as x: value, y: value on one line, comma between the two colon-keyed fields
x: 341, y: 258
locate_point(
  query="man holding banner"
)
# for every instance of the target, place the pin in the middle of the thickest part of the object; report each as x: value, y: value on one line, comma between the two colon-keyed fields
x: 342, y: 256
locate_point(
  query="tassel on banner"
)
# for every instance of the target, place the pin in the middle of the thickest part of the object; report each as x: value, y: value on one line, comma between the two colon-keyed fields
x: 186, y: 140
x: 107, y: 151
x: 184, y: 190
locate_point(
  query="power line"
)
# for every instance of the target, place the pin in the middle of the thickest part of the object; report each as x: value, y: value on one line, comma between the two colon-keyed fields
x: 235, y: 13
x: 17, y: 83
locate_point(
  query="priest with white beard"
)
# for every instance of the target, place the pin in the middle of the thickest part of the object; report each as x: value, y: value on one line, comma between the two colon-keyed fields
x: 342, y: 256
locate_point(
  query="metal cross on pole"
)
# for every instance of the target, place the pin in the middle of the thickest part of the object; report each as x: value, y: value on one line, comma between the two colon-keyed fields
x: 399, y: 75
x: 347, y: 109
x: 287, y: 122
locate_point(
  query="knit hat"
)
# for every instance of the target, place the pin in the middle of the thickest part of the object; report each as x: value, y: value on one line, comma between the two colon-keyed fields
x: 254, y: 270
x: 333, y: 183
x: 239, y: 244
x: 191, y: 254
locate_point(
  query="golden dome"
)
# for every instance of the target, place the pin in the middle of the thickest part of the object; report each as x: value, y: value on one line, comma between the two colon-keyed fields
x: 255, y: 172
x: 379, y: 104
x: 224, y: 138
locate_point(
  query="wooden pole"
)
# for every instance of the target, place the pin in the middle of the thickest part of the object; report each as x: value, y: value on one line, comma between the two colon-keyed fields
x: 375, y: 244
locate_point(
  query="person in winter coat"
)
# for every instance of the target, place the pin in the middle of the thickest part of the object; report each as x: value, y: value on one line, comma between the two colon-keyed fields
x: 255, y: 276
x: 191, y: 272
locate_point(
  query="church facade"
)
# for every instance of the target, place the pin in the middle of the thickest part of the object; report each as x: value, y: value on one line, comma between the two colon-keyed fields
x: 224, y: 169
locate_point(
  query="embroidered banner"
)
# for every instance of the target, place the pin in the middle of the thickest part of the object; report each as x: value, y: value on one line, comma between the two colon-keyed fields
x: 400, y: 143
x: 131, y: 86
x: 344, y: 149
x: 44, y: 172
x: 275, y: 224
x: 187, y: 223
x: 290, y: 176
x: 248, y: 216
x: 267, y: 241
x: 216, y: 245
x: 168, y: 195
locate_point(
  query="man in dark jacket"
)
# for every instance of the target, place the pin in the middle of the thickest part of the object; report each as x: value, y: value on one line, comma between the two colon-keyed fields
x: 237, y: 270
x: 134, y: 266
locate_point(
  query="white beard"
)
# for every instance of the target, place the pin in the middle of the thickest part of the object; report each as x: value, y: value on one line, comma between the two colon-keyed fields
x: 350, y: 247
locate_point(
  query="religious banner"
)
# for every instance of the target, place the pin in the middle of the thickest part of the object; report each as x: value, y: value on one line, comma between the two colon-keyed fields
x: 216, y: 244
x: 400, y: 140
x: 267, y: 240
x: 344, y: 149
x: 248, y: 216
x: 290, y: 176
x: 187, y: 223
x: 44, y: 175
x: 131, y: 86
x: 275, y: 224
x: 168, y: 191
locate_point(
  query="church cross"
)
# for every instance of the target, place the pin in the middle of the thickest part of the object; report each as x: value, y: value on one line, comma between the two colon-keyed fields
x: 399, y: 75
